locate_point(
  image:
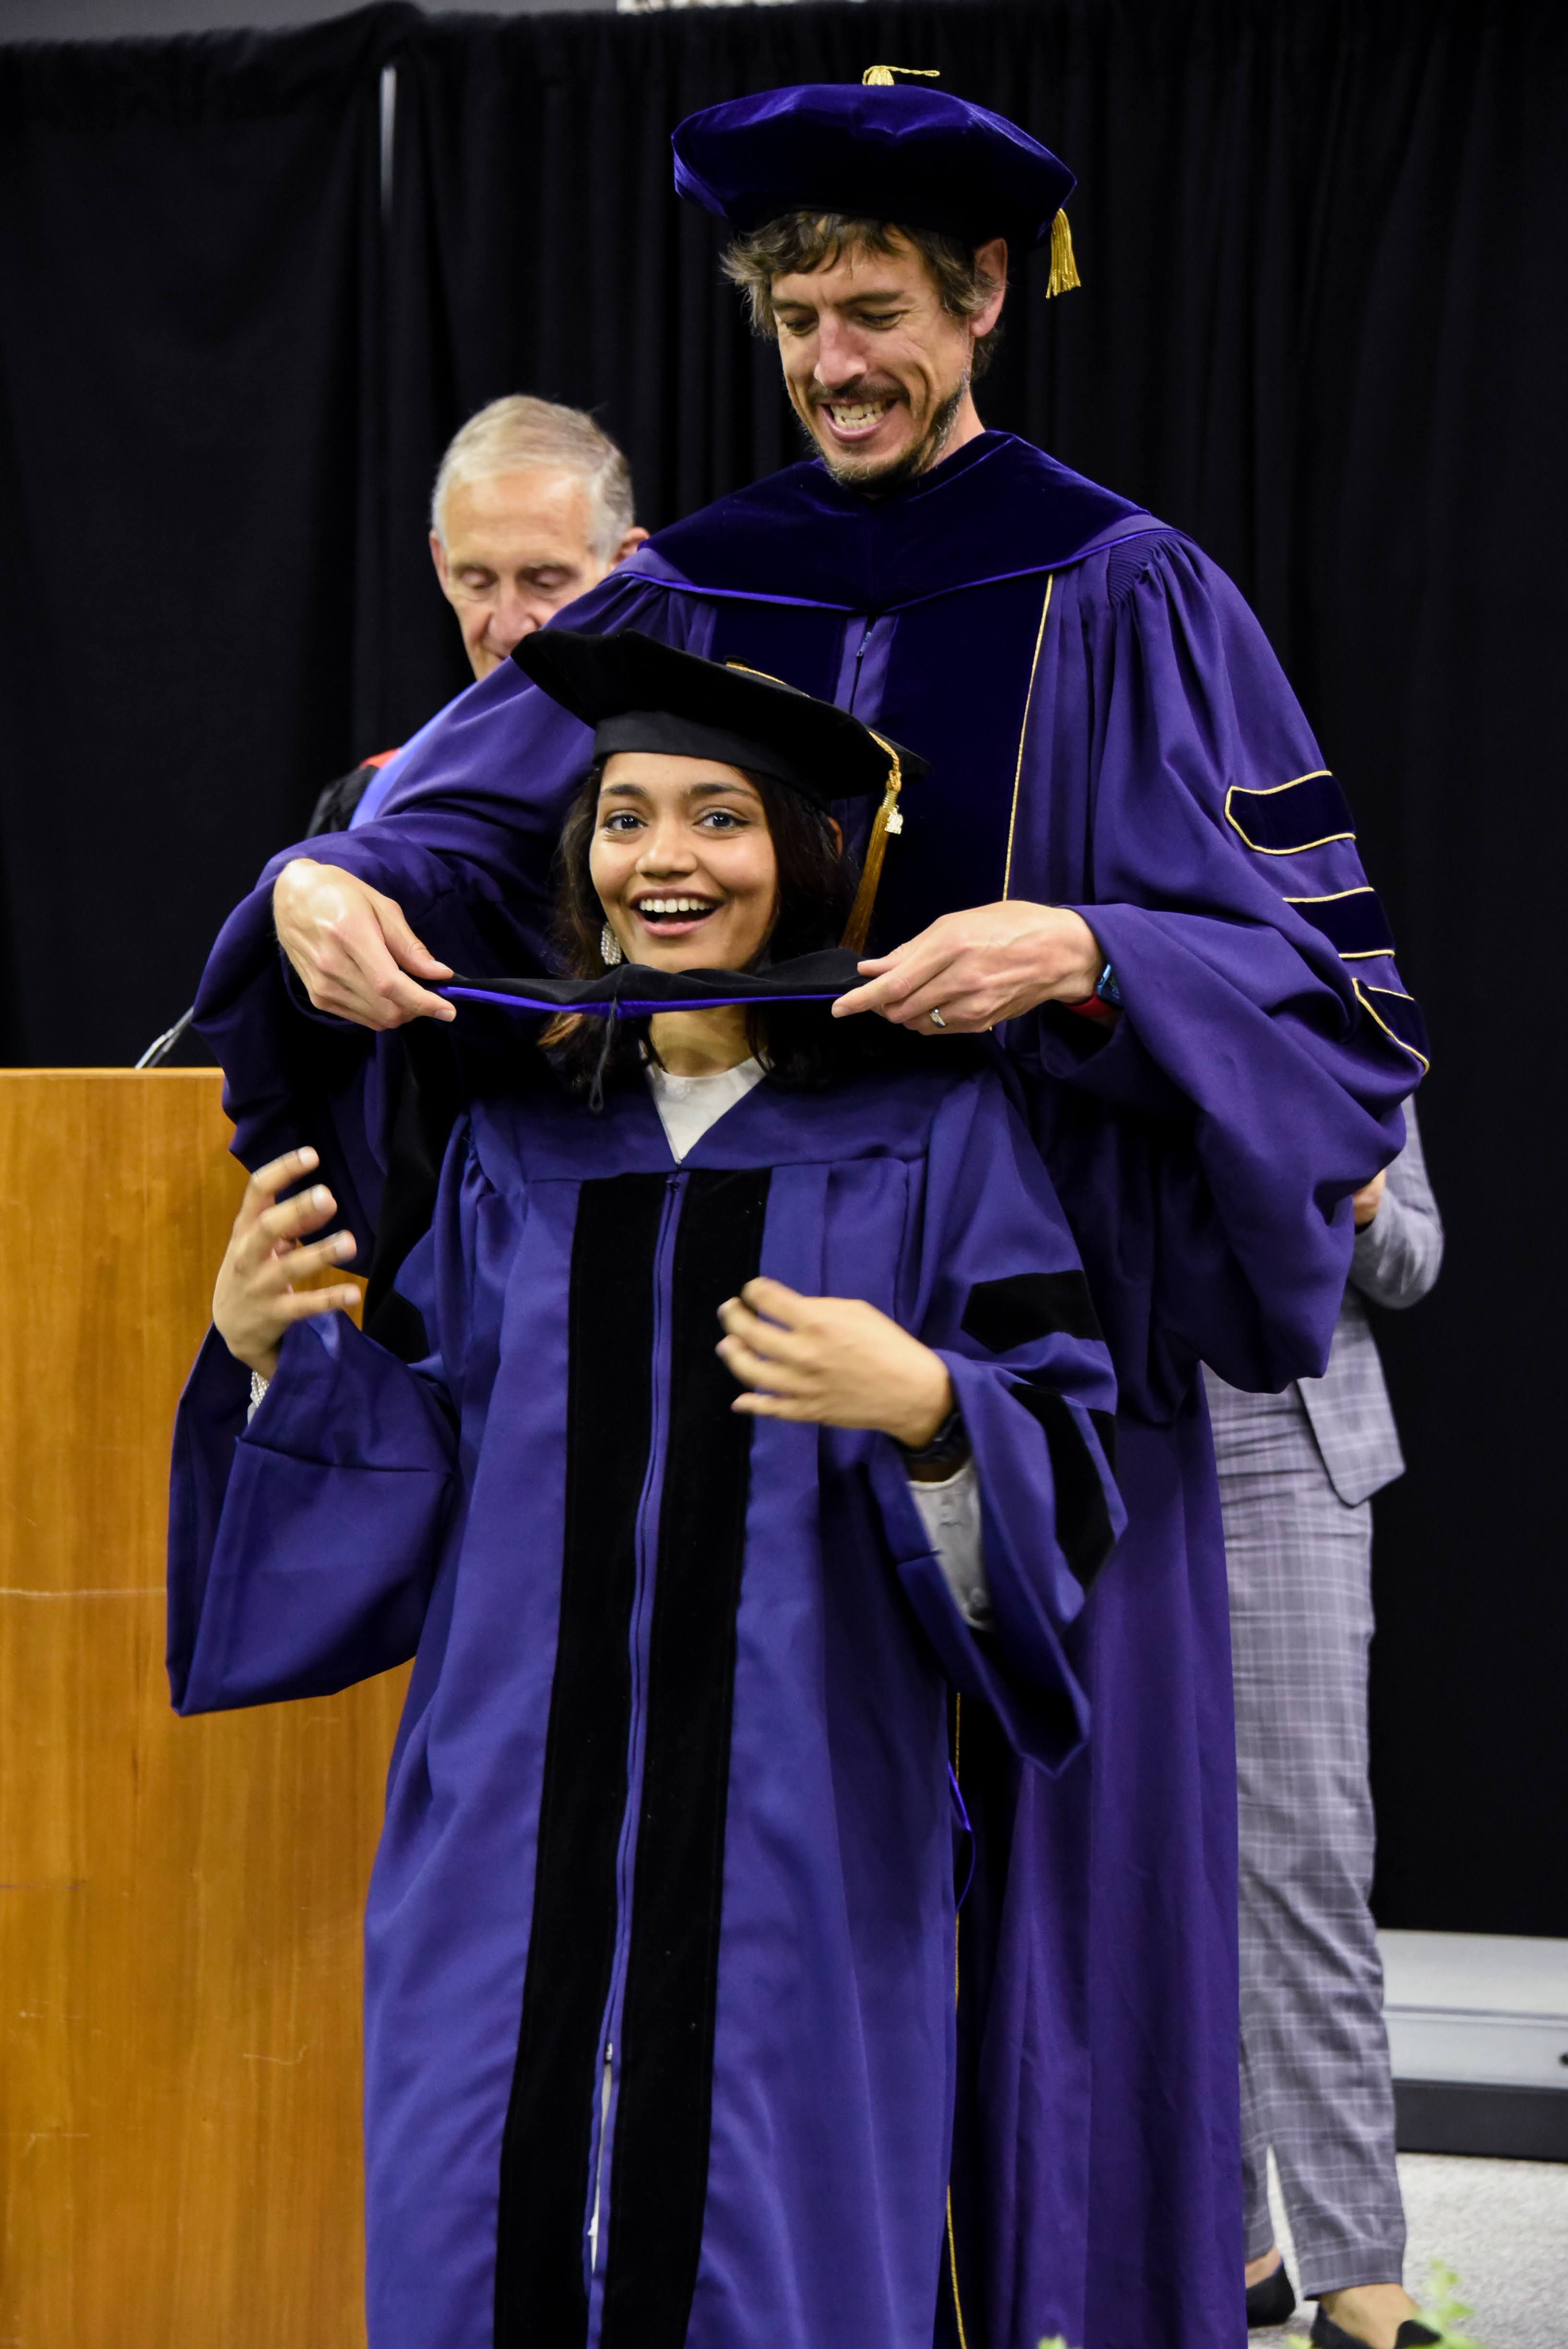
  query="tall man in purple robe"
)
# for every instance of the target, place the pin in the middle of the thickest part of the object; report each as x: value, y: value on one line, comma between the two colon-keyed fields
x: 1130, y: 859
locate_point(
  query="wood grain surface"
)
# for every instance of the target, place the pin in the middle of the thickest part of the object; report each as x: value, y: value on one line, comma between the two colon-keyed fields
x: 180, y: 1901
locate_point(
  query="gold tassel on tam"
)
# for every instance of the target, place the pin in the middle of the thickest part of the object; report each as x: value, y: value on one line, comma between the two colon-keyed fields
x: 1064, y: 274
x: 889, y: 822
x: 889, y: 819
x: 880, y: 76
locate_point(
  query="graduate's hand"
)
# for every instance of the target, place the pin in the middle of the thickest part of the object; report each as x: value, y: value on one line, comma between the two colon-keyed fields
x: 833, y: 1359
x: 354, y: 953
x: 1365, y: 1202
x: 990, y: 964
x: 255, y: 1300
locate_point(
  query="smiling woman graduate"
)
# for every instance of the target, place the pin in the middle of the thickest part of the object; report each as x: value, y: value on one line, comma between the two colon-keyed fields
x: 747, y: 1420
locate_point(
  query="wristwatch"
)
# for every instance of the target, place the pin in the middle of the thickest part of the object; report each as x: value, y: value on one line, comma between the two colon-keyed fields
x: 1106, y: 998
x: 948, y: 1448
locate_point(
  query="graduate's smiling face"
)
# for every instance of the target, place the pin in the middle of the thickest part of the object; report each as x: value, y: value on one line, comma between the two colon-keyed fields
x: 683, y: 862
x: 876, y: 368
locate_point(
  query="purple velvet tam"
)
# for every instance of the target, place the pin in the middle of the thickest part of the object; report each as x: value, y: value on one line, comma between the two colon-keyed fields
x: 906, y: 154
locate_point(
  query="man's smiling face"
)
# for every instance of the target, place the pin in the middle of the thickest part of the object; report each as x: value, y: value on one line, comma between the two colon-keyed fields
x: 876, y: 368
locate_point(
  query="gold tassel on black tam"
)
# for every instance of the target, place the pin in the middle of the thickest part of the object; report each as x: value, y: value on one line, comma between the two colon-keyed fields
x: 889, y: 820
x: 1064, y: 274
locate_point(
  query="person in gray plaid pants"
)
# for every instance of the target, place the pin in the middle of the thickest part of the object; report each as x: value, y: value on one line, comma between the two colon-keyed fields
x: 1297, y: 1471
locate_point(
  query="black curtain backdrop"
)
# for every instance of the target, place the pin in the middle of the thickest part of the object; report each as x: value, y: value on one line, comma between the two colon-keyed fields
x: 1322, y: 328
x: 189, y: 257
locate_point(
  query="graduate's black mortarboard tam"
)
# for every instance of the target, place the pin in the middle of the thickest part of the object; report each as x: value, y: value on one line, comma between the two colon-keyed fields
x: 878, y: 150
x: 640, y: 695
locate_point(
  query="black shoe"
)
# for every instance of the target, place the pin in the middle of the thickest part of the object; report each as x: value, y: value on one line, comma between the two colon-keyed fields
x: 1326, y: 2335
x: 1270, y: 2300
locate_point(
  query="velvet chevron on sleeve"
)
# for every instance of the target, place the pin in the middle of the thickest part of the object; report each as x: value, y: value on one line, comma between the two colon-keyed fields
x: 1218, y: 869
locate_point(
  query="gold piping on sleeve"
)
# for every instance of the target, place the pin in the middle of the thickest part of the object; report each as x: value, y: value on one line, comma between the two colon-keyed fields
x: 1300, y: 847
x: 1268, y: 790
x: 1364, y: 996
x: 1332, y: 897
x: 1023, y: 736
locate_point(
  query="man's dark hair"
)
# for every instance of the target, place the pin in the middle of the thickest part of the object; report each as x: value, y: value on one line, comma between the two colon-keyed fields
x: 801, y: 1044
x: 803, y: 242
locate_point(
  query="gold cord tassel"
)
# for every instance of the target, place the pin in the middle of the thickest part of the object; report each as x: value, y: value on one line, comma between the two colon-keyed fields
x: 1063, y: 274
x: 880, y: 76
x: 889, y: 819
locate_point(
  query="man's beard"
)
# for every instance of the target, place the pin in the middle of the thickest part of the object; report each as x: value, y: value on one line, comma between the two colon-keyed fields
x: 877, y: 477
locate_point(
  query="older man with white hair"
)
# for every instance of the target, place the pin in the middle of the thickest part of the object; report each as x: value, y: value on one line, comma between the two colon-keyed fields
x: 533, y: 506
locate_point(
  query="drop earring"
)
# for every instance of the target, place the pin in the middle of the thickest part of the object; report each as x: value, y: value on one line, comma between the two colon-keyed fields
x: 610, y: 947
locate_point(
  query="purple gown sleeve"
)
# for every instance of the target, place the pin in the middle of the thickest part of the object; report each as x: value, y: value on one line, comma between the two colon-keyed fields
x: 1265, y: 1024
x: 303, y: 1546
x: 1000, y: 1294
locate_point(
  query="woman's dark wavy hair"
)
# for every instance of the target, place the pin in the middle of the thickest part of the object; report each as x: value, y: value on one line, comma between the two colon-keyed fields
x: 799, y: 1044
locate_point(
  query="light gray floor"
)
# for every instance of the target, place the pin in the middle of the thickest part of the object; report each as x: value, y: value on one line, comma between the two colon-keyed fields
x: 1502, y: 2226
x: 1477, y: 2006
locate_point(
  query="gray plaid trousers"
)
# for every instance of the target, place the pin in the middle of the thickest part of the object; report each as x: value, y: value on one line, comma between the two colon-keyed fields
x: 1296, y: 1472
x: 1315, y: 2082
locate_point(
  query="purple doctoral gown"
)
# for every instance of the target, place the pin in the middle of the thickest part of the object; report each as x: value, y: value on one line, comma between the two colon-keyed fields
x: 1109, y: 729
x: 659, y: 2029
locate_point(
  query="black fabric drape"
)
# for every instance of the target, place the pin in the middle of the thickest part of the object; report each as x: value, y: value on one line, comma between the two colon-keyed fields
x: 189, y: 260
x: 1322, y: 328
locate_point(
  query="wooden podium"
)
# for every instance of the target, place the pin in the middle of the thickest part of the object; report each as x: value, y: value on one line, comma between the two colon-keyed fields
x: 180, y: 1901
